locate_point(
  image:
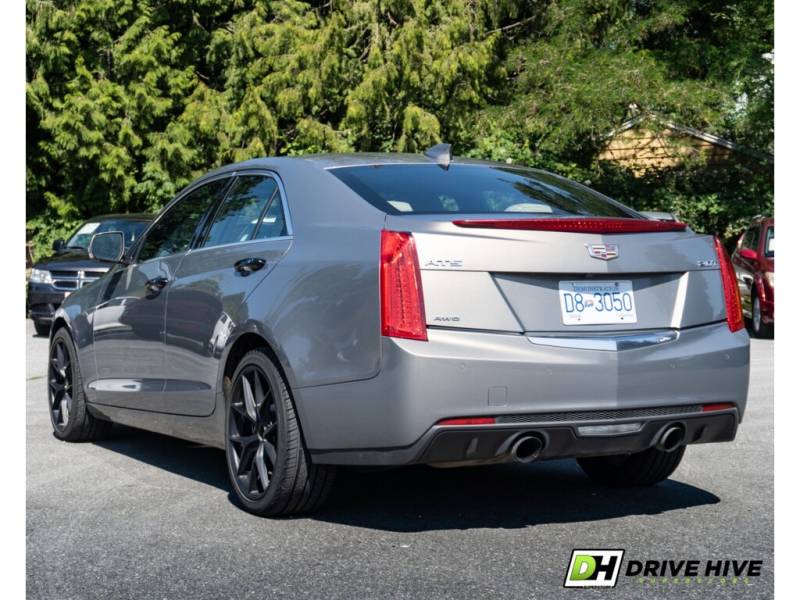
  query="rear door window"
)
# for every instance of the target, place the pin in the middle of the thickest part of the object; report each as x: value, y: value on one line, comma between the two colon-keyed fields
x: 477, y: 189
x: 242, y: 210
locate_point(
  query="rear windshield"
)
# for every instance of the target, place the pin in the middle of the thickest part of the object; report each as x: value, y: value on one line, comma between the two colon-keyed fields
x: 465, y: 189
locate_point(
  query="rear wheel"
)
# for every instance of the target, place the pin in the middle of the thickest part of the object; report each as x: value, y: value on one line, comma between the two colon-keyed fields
x: 760, y: 329
x: 268, y: 465
x: 632, y: 470
x: 66, y: 401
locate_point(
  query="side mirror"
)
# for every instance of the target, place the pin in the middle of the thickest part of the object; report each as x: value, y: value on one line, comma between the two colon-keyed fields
x: 58, y: 245
x: 108, y: 246
x: 748, y: 253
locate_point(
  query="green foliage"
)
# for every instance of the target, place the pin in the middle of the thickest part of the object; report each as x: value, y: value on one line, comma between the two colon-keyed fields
x: 128, y: 101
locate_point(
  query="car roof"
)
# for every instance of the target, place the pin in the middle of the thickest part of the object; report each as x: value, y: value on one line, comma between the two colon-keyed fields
x: 122, y: 217
x: 763, y: 220
x: 353, y: 159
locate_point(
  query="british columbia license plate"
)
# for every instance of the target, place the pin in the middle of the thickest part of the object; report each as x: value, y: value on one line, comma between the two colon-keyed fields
x: 596, y: 302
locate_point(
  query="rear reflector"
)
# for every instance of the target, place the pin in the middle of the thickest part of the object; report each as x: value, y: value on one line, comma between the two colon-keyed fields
x: 730, y: 288
x: 402, y: 307
x: 576, y: 225
x: 468, y: 421
x: 718, y: 406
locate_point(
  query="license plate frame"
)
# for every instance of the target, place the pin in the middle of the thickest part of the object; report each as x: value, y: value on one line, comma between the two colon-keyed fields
x: 597, y: 302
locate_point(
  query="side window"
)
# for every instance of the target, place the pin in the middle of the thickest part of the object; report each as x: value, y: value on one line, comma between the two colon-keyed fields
x: 239, y: 214
x: 750, y: 239
x: 273, y: 224
x: 173, y: 232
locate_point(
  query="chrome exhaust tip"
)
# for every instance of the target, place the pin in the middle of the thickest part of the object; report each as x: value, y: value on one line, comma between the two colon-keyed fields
x: 671, y: 438
x: 527, y: 448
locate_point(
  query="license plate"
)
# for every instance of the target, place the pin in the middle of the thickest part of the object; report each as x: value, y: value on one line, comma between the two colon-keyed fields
x: 596, y: 302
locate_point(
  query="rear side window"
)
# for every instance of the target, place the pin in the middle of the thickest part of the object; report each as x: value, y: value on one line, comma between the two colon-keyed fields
x: 466, y: 189
x: 174, y: 231
x: 242, y: 210
x: 769, y: 243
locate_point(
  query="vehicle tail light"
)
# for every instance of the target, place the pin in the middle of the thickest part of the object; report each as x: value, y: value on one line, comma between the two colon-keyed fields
x: 576, y: 225
x: 718, y: 406
x: 468, y: 421
x: 402, y: 307
x: 730, y: 288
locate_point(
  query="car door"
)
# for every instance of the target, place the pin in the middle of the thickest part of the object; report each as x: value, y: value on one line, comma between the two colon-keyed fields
x: 128, y: 323
x: 247, y: 236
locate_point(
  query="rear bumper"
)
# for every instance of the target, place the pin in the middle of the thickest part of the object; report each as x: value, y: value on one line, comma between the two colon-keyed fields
x: 391, y: 418
x: 479, y: 444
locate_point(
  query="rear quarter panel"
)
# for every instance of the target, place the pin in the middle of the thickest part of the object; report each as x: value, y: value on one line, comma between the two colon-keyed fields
x: 320, y: 304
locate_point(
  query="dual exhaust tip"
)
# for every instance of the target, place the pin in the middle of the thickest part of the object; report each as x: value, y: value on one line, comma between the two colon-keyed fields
x: 528, y: 447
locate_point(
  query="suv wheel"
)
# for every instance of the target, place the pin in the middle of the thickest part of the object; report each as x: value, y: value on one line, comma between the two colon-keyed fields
x: 66, y: 401
x: 632, y: 470
x: 268, y: 465
x: 760, y: 329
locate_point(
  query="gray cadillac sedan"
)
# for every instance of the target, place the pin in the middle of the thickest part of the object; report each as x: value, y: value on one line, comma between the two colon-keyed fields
x: 379, y: 309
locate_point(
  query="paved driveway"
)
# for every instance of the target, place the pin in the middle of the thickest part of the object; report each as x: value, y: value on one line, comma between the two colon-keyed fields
x: 145, y: 516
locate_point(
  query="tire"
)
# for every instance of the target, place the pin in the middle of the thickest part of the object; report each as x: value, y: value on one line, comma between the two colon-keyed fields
x: 42, y: 329
x: 760, y: 329
x: 632, y: 470
x: 269, y: 468
x: 66, y: 401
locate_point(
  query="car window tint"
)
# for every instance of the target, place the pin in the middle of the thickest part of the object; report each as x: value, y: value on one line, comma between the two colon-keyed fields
x: 238, y: 216
x: 474, y: 189
x: 173, y: 232
x: 750, y: 239
x: 273, y: 224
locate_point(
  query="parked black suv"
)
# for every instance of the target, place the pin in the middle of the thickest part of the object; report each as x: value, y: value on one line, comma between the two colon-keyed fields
x: 70, y: 267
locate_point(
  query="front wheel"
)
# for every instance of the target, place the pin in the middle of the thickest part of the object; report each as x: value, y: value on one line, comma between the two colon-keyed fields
x: 66, y: 401
x: 268, y: 465
x: 632, y: 470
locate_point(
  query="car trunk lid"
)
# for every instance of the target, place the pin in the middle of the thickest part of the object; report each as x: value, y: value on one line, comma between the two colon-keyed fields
x: 512, y: 279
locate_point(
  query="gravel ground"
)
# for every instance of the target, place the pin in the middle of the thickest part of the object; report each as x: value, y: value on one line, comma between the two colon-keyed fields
x: 146, y: 516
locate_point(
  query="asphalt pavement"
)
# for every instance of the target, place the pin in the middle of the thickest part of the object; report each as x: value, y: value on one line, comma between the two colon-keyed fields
x: 145, y: 516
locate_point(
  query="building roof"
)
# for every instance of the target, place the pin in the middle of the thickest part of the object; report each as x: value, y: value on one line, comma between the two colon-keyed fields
x: 686, y: 130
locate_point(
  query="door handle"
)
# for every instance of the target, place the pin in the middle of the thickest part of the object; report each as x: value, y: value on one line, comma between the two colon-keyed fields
x: 249, y: 265
x: 156, y: 284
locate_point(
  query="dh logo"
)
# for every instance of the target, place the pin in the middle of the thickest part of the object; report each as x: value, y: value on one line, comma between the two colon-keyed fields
x: 594, y: 568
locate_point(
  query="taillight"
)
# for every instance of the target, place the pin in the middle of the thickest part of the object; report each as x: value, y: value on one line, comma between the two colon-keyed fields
x: 402, y: 307
x: 730, y: 288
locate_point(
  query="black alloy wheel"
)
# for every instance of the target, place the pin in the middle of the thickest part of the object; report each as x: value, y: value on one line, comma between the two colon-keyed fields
x: 69, y: 413
x: 270, y: 469
x: 59, y: 378
x: 253, y: 432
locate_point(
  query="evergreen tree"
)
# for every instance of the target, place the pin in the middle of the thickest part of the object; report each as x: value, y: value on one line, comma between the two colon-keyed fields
x: 129, y: 100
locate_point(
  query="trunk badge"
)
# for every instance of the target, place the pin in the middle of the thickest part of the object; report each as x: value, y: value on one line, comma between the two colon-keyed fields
x: 603, y: 251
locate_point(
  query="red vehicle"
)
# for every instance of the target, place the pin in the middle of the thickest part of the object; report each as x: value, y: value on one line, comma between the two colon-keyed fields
x: 754, y: 261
